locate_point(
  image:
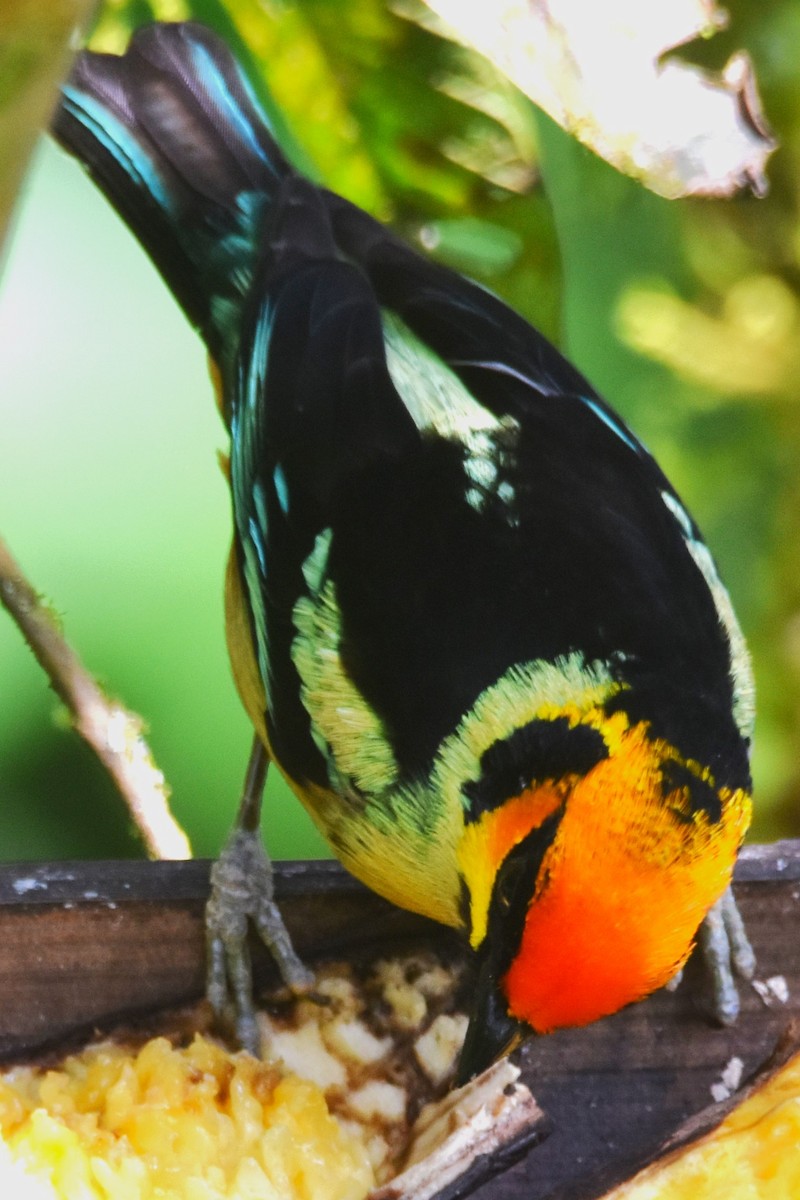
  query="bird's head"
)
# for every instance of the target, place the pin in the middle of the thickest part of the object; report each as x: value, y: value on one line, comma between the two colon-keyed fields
x: 591, y: 852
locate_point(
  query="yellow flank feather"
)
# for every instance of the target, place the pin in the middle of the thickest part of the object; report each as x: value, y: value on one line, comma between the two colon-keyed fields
x: 216, y: 382
x: 396, y: 845
x: 241, y: 649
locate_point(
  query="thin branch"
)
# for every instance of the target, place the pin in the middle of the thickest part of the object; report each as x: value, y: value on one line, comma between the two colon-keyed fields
x: 114, y: 733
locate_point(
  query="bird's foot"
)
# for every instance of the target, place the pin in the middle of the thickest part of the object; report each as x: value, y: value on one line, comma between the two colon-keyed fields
x: 726, y: 953
x: 241, y: 891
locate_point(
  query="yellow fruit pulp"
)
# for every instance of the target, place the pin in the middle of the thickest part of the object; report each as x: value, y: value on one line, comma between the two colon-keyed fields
x: 753, y: 1155
x: 165, y: 1123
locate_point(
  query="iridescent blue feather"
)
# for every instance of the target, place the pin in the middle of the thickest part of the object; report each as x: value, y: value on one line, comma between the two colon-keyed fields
x: 174, y: 136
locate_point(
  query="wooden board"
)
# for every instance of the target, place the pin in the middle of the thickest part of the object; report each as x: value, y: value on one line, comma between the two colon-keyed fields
x: 85, y: 944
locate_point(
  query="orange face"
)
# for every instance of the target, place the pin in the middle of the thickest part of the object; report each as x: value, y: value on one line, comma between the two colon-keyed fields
x: 622, y: 888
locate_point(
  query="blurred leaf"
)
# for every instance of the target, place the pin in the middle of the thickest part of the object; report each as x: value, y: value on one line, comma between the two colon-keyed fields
x: 35, y: 41
x: 751, y: 346
x: 469, y: 244
x: 612, y: 233
x: 600, y: 71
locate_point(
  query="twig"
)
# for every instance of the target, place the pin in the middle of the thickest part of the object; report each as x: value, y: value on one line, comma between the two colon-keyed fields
x: 114, y: 733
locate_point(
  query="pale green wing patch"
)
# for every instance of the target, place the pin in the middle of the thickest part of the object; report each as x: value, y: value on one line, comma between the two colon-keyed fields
x: 344, y: 727
x: 744, y: 688
x: 438, y: 402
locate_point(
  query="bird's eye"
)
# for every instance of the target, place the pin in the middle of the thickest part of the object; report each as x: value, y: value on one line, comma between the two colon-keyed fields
x: 508, y: 879
x: 524, y: 870
x: 689, y: 793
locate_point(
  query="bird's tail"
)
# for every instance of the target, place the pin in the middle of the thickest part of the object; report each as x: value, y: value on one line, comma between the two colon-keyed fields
x: 174, y: 137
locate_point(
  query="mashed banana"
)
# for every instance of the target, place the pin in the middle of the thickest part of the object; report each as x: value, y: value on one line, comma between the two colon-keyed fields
x: 327, y: 1118
x: 162, y: 1122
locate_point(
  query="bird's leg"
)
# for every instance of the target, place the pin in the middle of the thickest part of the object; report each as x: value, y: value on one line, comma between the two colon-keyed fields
x: 726, y: 953
x: 241, y: 890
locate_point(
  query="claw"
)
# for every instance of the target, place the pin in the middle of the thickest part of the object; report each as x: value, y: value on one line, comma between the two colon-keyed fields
x: 742, y: 953
x: 727, y: 952
x: 673, y: 984
x: 242, y: 890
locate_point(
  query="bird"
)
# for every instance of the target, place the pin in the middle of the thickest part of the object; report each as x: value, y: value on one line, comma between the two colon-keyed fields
x: 472, y: 623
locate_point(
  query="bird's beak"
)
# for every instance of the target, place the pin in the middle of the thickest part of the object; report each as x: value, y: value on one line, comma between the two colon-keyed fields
x: 492, y: 1031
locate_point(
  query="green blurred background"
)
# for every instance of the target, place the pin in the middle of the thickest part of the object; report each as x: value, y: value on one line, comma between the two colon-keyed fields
x: 686, y: 315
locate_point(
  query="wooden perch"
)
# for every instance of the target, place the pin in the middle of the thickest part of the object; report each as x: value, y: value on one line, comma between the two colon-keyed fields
x: 82, y: 945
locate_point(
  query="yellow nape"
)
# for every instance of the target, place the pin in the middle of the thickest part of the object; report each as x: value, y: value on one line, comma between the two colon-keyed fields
x: 622, y: 889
